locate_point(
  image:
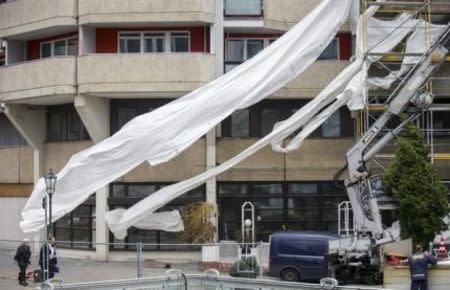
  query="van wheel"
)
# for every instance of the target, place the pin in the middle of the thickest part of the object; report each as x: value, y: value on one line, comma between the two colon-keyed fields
x: 290, y: 275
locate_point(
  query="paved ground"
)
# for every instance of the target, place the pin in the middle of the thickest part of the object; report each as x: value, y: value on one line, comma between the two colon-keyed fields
x: 80, y: 270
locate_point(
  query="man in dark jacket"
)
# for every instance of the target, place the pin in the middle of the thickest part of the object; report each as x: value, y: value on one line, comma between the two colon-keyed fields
x: 418, y: 266
x: 50, y: 252
x: 22, y: 257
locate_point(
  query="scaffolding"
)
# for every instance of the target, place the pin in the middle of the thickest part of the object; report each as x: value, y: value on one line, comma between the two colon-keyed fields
x: 388, y: 62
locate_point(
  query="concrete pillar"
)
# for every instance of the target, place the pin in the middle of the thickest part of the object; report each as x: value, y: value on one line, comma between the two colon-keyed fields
x: 94, y: 113
x: 101, y: 229
x: 31, y: 125
x: 216, y: 45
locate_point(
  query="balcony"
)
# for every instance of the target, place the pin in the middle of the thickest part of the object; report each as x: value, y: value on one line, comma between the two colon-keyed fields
x: 144, y: 74
x: 24, y: 17
x: 283, y: 14
x: 24, y: 82
x: 313, y: 80
x: 145, y: 11
x: 310, y: 83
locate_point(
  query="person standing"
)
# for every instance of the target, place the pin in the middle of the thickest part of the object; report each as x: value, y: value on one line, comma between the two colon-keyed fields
x: 52, y: 259
x: 22, y: 257
x: 418, y: 267
x: 49, y: 250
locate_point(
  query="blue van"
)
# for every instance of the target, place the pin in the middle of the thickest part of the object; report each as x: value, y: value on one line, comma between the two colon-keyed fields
x: 299, y: 256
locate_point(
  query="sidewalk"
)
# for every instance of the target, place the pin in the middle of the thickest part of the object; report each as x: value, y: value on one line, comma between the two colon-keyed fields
x: 83, y: 270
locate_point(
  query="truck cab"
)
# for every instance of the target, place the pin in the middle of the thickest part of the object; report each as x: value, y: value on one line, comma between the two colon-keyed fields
x: 299, y: 256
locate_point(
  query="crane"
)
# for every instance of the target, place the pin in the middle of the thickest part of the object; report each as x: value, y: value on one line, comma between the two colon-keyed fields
x: 361, y: 251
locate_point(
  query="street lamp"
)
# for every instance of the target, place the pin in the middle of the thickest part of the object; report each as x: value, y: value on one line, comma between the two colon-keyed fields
x: 50, y: 182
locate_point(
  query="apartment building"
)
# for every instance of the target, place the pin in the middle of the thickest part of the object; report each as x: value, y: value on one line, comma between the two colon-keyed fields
x: 73, y: 72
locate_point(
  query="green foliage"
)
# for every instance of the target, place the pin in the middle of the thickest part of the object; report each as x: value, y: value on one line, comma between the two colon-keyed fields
x: 198, y: 227
x: 414, y: 184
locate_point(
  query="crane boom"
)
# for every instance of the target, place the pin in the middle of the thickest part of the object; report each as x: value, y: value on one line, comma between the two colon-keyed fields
x: 365, y: 208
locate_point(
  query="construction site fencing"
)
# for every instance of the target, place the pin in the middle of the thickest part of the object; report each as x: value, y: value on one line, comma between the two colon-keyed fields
x: 210, y: 280
x: 80, y: 262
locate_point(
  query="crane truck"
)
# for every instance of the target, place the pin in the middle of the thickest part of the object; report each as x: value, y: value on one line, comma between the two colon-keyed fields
x: 357, y: 256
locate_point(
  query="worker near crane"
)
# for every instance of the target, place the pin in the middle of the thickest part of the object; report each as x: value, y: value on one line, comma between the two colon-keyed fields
x: 418, y: 266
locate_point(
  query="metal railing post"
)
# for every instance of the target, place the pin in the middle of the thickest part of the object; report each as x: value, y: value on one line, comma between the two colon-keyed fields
x: 139, y: 260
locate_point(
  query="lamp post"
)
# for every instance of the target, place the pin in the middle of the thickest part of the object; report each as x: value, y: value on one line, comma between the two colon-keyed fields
x: 45, y: 246
x: 50, y: 182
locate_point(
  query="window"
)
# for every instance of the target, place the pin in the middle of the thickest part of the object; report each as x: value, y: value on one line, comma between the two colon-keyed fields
x: 437, y: 117
x: 77, y: 229
x: 243, y: 7
x: 441, y: 122
x: 130, y: 42
x: 240, y: 122
x: 46, y: 50
x: 332, y: 50
x: 124, y: 195
x: 64, y: 124
x: 238, y: 50
x: 123, y: 111
x: 60, y: 47
x: 259, y: 120
x: 268, y: 118
x: 72, y: 46
x: 234, y: 50
x: 9, y: 136
x: 179, y: 42
x: 278, y: 206
x: 302, y: 247
x: 154, y: 42
x: 254, y: 46
x: 332, y: 126
x: 340, y: 124
x: 307, y: 189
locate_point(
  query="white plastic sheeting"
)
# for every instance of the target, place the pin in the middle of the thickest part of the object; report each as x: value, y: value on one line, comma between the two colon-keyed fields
x: 384, y: 36
x: 424, y: 34
x: 164, y: 133
x: 168, y: 221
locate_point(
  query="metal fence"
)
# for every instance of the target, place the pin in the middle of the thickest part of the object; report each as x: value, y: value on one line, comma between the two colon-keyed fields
x: 148, y: 266
x: 137, y: 261
x: 210, y: 280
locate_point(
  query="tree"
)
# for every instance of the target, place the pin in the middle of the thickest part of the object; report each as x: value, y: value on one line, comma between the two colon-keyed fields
x: 413, y: 183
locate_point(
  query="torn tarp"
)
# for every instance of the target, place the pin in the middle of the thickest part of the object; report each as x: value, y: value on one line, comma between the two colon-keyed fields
x: 348, y: 84
x: 167, y: 131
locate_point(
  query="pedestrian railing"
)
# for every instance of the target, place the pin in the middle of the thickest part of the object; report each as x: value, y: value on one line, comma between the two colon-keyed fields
x: 80, y: 262
x: 148, y: 266
x: 210, y: 280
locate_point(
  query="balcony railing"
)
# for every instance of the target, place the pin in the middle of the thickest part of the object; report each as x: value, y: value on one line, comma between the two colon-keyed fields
x: 44, y: 77
x: 144, y: 73
x: 145, y: 11
x: 26, y: 16
x: 243, y: 7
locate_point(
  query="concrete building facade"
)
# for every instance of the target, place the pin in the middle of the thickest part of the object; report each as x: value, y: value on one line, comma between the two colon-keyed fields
x: 73, y: 72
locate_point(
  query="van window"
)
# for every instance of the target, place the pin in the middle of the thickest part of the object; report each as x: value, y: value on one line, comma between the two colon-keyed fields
x: 301, y: 247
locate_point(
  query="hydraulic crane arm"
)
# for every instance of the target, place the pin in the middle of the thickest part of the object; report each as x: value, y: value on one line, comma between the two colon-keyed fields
x: 365, y: 208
